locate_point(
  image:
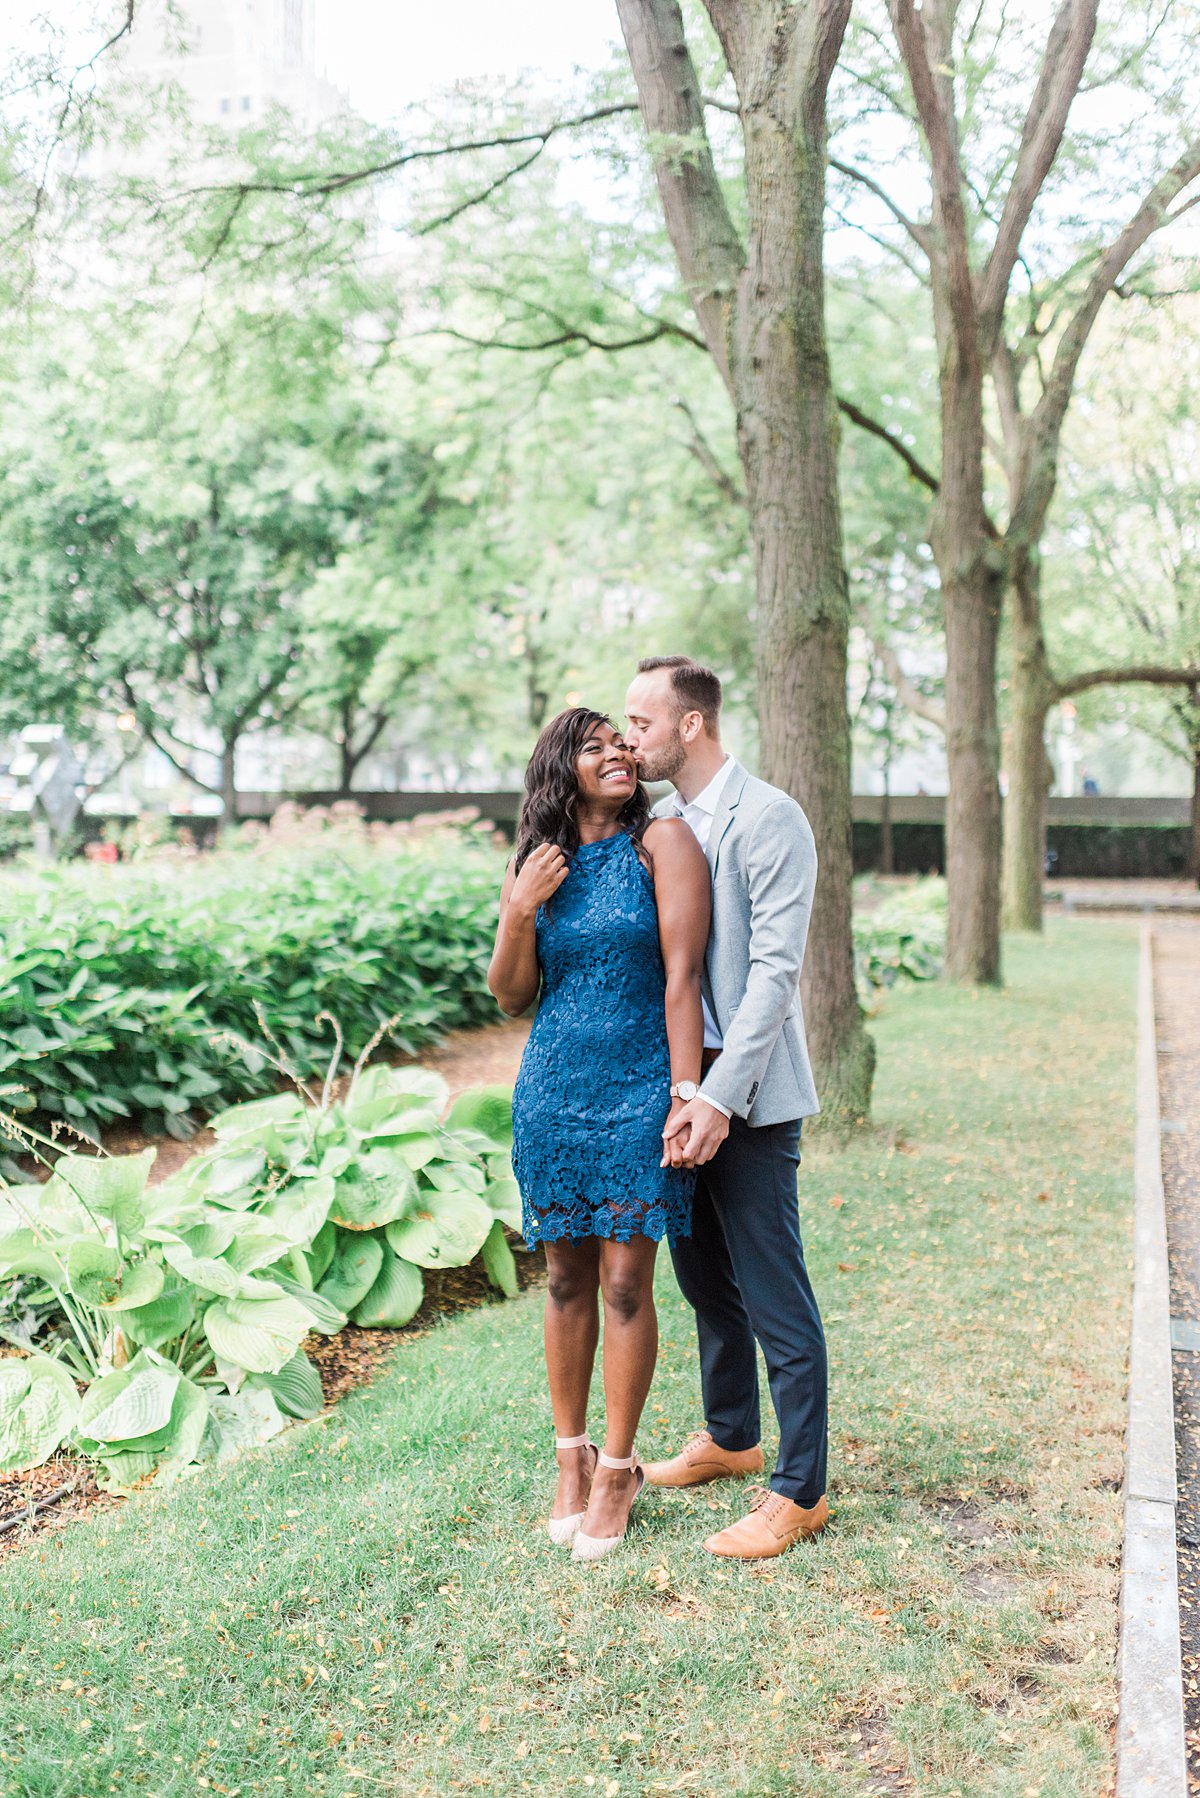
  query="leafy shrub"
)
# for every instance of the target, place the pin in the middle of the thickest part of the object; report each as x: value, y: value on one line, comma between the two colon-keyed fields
x: 120, y: 990
x: 903, y: 937
x: 184, y: 1306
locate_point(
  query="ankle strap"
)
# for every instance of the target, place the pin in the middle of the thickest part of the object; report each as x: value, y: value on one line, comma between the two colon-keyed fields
x: 571, y: 1441
x: 615, y: 1461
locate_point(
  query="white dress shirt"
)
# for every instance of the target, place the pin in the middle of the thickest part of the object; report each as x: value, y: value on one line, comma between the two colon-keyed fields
x: 698, y: 815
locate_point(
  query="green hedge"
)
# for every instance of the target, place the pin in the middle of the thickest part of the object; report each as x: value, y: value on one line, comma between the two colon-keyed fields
x: 120, y: 987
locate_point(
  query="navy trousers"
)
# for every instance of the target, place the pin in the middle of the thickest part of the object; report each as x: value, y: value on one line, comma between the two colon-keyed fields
x: 742, y: 1271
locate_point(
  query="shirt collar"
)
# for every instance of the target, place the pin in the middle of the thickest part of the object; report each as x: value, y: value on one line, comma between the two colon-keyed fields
x: 709, y: 799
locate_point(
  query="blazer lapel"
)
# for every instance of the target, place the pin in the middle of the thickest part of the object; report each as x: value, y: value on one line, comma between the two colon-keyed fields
x: 726, y: 808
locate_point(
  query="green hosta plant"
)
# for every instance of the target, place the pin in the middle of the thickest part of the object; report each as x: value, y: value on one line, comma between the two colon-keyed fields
x: 184, y: 1306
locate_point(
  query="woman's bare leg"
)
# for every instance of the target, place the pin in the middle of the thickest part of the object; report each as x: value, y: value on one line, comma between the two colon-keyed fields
x: 572, y: 1328
x: 630, y: 1351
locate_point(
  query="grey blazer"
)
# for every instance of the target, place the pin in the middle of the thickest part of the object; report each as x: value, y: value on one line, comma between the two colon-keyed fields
x: 764, y: 868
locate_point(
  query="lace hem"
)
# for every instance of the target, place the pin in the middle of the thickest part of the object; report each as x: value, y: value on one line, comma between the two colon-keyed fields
x: 613, y: 1224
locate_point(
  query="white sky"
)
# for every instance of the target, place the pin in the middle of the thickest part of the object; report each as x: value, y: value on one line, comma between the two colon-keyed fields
x: 386, y: 57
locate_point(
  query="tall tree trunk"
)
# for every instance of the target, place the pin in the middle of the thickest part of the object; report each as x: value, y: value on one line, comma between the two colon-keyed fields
x: 971, y: 570
x: 228, y: 783
x: 1194, y: 851
x: 761, y: 308
x: 887, y: 849
x: 787, y: 436
x: 1031, y: 692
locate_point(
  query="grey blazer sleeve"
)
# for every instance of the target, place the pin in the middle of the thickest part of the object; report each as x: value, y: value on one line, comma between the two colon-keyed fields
x: 781, y: 867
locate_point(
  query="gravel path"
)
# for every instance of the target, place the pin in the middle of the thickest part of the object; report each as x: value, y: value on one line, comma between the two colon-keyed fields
x: 1177, y: 1012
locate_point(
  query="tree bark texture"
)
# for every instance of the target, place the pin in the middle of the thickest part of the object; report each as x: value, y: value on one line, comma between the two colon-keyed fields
x: 1032, y: 691
x: 761, y: 309
x: 228, y: 783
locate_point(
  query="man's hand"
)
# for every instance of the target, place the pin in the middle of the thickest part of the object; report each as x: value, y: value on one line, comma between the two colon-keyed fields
x: 693, y: 1134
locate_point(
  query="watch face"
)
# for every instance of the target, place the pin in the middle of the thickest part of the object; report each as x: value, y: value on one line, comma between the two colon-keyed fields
x: 687, y: 1089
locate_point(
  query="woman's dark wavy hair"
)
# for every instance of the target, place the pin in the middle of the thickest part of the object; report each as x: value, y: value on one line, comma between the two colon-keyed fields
x: 552, y: 787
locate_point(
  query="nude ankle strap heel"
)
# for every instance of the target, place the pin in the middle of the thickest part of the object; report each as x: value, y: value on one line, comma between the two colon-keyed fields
x: 594, y: 1548
x: 563, y: 1530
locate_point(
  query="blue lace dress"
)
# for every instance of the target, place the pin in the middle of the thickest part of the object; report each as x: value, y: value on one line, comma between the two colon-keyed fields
x: 593, y: 1092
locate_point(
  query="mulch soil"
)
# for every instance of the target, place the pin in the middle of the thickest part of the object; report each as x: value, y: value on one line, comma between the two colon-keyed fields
x: 1177, y: 1009
x: 49, y: 1497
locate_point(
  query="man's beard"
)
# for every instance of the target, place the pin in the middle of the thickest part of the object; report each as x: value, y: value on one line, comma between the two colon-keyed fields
x: 665, y: 764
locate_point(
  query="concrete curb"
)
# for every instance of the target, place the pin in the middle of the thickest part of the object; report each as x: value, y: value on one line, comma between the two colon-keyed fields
x: 1151, y: 1758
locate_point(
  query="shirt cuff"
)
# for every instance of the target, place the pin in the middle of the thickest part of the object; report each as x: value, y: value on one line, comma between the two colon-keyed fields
x: 715, y: 1103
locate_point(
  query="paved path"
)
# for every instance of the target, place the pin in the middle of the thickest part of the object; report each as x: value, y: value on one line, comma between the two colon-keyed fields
x: 1177, y: 1011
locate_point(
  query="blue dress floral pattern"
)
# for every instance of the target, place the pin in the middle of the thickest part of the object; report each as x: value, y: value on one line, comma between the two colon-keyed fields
x: 593, y: 1092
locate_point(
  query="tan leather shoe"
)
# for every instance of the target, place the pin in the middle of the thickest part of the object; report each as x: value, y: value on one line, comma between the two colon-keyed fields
x: 770, y: 1526
x: 700, y: 1460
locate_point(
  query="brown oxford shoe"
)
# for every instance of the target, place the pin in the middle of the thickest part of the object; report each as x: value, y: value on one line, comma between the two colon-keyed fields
x: 701, y: 1460
x: 770, y: 1526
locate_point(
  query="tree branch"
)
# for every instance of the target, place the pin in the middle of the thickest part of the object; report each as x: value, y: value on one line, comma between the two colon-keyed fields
x: 922, y: 705
x: 933, y: 96
x: 700, y: 447
x: 698, y: 221
x: 917, y: 232
x: 915, y: 467
x: 569, y: 334
x: 1138, y: 674
x: 1041, y: 136
x: 1046, y: 420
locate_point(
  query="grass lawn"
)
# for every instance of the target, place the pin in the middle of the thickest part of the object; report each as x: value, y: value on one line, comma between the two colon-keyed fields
x: 369, y: 1605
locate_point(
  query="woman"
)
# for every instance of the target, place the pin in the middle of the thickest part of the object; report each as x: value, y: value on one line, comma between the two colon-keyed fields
x: 605, y: 913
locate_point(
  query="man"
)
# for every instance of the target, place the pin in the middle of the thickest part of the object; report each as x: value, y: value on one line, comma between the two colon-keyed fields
x: 742, y: 1269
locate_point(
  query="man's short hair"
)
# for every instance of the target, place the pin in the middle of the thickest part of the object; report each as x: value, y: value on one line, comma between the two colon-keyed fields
x: 694, y: 687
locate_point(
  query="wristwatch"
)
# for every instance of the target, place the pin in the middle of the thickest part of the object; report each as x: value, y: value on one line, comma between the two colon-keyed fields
x: 685, y: 1090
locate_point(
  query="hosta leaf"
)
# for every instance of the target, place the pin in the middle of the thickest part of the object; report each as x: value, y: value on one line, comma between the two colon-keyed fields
x: 322, y: 1251
x: 120, y: 1471
x: 446, y: 1230
x: 259, y: 1334
x: 166, y: 1318
x: 352, y: 1273
x: 111, y: 1185
x: 189, y: 1415
x: 133, y: 1402
x: 206, y: 1271
x: 18, y: 1204
x: 399, y: 1125
x: 281, y: 1108
x: 298, y: 1212
x: 323, y: 1315
x: 21, y: 1253
x: 488, y: 1110
x: 504, y: 1200
x: 395, y: 1296
x: 456, y: 1176
x: 498, y: 1259
x: 241, y: 1420
x: 381, y: 1090
x: 212, y: 1236
x: 228, y: 1172
x: 377, y: 1188
x: 296, y: 1387
x: 416, y: 1149
x: 99, y: 1276
x: 38, y: 1408
x: 256, y: 1245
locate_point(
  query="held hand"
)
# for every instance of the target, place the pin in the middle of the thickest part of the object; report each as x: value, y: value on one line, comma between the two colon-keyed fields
x: 693, y: 1134
x: 542, y: 873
